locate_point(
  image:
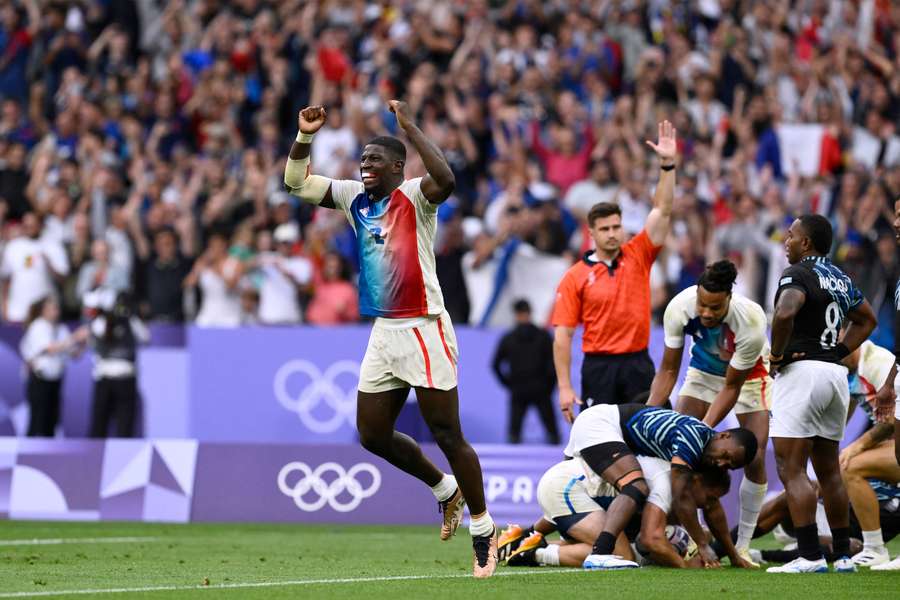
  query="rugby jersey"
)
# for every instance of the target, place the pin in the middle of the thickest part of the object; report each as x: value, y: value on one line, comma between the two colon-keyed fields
x: 654, y: 431
x: 395, y: 240
x: 830, y: 295
x: 739, y: 340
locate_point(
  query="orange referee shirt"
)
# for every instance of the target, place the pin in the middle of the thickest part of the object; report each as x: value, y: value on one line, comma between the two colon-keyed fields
x: 614, y: 307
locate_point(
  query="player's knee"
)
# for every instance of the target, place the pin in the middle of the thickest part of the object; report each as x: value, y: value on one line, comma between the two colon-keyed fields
x: 374, y: 443
x: 637, y: 490
x: 448, y: 439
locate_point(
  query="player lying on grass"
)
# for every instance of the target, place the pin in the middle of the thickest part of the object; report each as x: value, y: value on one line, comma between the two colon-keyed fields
x: 775, y: 517
x: 606, y: 439
x: 574, y: 502
x: 872, y: 455
x: 728, y: 370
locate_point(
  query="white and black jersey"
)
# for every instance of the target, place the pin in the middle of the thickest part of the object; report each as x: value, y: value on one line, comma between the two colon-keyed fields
x: 897, y: 322
x: 830, y: 295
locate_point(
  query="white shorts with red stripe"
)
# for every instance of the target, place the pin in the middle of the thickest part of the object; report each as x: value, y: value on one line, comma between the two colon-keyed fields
x: 755, y: 396
x: 410, y: 353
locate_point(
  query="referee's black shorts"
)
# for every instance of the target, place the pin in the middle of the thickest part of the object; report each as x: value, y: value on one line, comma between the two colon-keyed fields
x: 615, y: 378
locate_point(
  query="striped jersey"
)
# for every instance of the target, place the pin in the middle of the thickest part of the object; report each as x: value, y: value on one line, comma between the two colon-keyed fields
x: 654, y: 431
x: 395, y: 240
x: 830, y: 295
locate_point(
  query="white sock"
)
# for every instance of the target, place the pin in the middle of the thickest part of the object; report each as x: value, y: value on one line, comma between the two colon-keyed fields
x: 445, y: 488
x: 548, y: 555
x: 872, y: 540
x: 482, y: 526
x: 822, y: 523
x: 752, y: 497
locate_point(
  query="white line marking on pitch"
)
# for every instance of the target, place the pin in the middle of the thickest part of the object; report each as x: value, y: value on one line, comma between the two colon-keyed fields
x: 55, y: 541
x: 265, y: 584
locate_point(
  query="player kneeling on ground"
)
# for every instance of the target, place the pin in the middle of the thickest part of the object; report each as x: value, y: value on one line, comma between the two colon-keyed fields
x: 607, y: 437
x: 574, y: 502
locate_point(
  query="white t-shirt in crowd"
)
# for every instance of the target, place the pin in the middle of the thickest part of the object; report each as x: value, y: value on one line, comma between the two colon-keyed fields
x: 40, y: 334
x: 330, y: 148
x: 221, y: 307
x: 278, y: 302
x: 24, y: 263
x: 583, y: 195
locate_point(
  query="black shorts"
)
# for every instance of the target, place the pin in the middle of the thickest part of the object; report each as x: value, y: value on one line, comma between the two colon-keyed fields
x: 615, y: 378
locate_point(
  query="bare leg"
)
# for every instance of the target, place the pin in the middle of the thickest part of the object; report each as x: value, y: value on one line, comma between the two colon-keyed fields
x: 440, y: 409
x: 792, y: 456
x: 834, y: 494
x: 877, y: 463
x: 758, y: 423
x: 692, y: 407
x: 376, y: 415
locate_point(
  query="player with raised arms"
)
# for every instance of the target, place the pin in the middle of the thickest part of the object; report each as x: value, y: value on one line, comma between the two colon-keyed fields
x: 728, y: 370
x: 412, y: 344
x: 811, y: 397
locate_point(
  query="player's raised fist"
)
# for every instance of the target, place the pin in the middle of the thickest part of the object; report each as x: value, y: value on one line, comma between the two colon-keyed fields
x: 311, y: 118
x: 401, y: 109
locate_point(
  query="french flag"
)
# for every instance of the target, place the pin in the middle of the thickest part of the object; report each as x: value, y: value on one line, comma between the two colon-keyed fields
x: 809, y: 148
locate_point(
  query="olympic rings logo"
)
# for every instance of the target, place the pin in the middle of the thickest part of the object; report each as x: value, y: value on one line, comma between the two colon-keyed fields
x: 321, y: 388
x: 343, y: 493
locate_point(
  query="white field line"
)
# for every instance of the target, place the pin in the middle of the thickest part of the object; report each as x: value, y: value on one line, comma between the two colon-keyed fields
x: 266, y: 584
x: 56, y: 541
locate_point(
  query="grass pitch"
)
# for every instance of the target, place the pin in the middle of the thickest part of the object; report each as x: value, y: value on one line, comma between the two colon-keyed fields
x: 163, y: 562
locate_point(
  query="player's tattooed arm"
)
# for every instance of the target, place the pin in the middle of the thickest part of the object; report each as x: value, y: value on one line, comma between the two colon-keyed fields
x: 660, y: 218
x: 653, y: 537
x: 715, y: 518
x: 685, y: 508
x: 664, y: 380
x: 789, y: 303
x: 439, y: 182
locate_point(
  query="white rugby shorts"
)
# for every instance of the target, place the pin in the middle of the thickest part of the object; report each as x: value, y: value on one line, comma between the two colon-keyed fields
x: 810, y: 399
x: 755, y: 395
x: 424, y: 355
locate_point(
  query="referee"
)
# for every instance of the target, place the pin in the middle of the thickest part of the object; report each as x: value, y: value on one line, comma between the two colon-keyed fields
x: 608, y: 292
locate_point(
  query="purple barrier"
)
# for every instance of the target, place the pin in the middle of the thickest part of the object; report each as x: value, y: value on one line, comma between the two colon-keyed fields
x: 186, y: 480
x: 275, y: 385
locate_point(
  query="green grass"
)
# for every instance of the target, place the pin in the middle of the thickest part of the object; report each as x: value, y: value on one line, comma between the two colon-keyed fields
x: 210, y: 556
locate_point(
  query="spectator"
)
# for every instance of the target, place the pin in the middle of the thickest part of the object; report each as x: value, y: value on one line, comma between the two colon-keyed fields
x: 217, y: 275
x: 44, y: 348
x: 29, y: 270
x: 523, y: 362
x: 334, y: 300
x: 163, y: 275
x: 115, y: 334
x: 285, y: 279
x: 99, y: 273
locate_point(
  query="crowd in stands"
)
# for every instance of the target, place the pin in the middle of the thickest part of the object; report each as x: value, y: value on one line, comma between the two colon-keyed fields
x: 142, y: 143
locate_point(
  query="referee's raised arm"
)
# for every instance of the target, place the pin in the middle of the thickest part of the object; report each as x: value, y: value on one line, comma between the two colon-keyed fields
x: 608, y: 293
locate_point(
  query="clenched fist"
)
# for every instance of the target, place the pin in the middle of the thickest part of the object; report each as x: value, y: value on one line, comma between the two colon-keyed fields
x: 311, y: 118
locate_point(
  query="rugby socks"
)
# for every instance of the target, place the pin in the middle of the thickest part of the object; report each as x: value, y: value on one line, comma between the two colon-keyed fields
x: 872, y: 540
x: 808, y: 541
x: 840, y: 539
x: 605, y: 544
x: 752, y: 497
x: 482, y: 525
x: 548, y: 555
x: 445, y: 488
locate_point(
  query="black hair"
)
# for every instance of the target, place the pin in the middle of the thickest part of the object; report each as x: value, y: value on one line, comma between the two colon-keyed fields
x: 601, y: 210
x: 744, y: 437
x: 715, y: 478
x: 818, y: 230
x: 522, y: 306
x: 718, y: 277
x: 35, y: 310
x: 395, y: 147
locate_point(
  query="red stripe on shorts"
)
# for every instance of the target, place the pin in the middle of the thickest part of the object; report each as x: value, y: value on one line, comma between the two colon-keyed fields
x: 764, y: 403
x: 425, y: 355
x: 444, y: 342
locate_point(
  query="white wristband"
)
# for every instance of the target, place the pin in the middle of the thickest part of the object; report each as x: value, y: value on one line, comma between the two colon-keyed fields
x: 305, y: 138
